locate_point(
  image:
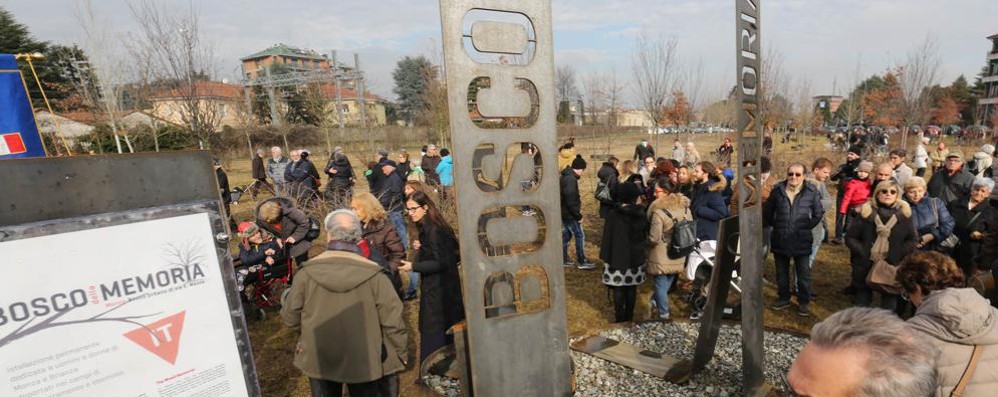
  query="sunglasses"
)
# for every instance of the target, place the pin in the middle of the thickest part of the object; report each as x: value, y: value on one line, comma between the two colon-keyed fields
x: 797, y: 174
x: 888, y: 191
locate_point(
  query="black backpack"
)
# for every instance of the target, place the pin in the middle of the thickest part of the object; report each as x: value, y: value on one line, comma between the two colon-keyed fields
x: 684, y: 237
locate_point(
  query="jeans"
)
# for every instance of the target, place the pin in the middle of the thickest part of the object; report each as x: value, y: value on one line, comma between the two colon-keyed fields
x: 387, y: 386
x: 803, y: 270
x: 567, y: 231
x: 818, y: 234
x: 660, y: 295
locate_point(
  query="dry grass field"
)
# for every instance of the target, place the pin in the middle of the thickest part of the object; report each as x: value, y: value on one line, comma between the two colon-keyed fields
x: 588, y: 309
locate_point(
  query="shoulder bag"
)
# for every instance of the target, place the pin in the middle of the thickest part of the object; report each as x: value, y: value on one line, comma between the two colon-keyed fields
x: 967, y: 373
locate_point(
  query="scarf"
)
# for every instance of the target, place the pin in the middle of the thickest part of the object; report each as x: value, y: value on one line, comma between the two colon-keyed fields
x: 881, y: 245
x: 336, y: 245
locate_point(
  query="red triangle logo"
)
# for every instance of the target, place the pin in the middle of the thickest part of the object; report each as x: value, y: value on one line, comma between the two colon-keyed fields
x: 162, y: 337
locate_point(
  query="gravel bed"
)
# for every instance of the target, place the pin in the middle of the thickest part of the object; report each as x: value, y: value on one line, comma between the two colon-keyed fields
x: 721, y: 377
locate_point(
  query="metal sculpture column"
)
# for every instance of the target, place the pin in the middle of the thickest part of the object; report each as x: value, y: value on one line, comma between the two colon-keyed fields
x: 500, y: 76
x: 747, y: 36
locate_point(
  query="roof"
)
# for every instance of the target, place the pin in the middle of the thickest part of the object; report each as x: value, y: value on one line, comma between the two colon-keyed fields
x: 329, y: 91
x: 992, y: 37
x: 285, y: 50
x: 209, y: 89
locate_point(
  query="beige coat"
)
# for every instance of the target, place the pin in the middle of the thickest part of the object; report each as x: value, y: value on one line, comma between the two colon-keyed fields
x: 956, y: 319
x: 660, y: 233
x: 350, y: 319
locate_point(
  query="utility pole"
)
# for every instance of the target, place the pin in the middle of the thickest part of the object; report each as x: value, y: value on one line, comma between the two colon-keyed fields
x: 359, y: 85
x: 339, y: 94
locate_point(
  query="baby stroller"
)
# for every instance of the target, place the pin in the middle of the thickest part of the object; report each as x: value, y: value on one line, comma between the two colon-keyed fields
x: 262, y: 287
x: 699, y: 266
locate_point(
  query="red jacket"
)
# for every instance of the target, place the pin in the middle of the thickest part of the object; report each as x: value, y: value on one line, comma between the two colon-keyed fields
x: 857, y: 192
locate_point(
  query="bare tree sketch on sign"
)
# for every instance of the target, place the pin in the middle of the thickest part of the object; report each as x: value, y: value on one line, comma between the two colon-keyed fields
x: 181, y: 55
x: 654, y: 63
x: 919, y: 72
x: 175, y: 255
x: 108, y: 66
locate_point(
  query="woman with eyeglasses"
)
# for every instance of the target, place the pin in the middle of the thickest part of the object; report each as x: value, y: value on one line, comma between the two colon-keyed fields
x: 933, y: 222
x: 974, y: 219
x: 883, y: 229
x: 957, y: 320
x: 437, y: 257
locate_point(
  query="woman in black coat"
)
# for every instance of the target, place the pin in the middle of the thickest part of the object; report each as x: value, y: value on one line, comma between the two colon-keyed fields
x: 623, y: 250
x: 440, y: 303
x: 861, y: 237
x: 608, y: 175
x: 974, y: 220
x: 341, y: 178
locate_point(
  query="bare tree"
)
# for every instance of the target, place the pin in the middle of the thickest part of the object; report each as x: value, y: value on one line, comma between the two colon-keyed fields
x: 919, y: 72
x: 183, y: 57
x: 654, y: 62
x: 773, y: 90
x: 565, y: 79
x: 107, y: 66
x: 594, y: 93
x: 614, y: 98
x: 853, y: 107
x: 692, y: 86
x: 804, y: 110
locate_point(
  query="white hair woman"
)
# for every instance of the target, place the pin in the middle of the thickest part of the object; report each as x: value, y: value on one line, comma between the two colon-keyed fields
x: 974, y: 220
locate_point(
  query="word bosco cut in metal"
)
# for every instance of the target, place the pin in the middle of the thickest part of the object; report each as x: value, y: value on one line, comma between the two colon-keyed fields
x: 500, y: 79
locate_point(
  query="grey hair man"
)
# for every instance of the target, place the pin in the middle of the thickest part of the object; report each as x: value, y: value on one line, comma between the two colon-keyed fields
x: 276, y: 166
x: 864, y: 352
x: 259, y: 174
x: 349, y: 316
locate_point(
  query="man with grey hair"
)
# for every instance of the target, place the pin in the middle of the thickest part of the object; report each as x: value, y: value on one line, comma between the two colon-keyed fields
x: 349, y: 316
x: 864, y: 352
x: 429, y: 164
x: 276, y: 166
x: 259, y: 174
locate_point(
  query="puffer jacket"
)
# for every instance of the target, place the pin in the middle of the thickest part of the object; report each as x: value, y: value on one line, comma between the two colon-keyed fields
x: 792, y: 222
x: 446, y: 171
x: 956, y: 319
x: 660, y: 233
x: 925, y: 219
x: 950, y: 188
x: 707, y: 206
x: 857, y: 191
x: 343, y: 178
x: 571, y: 202
x: 382, y: 236
x: 350, y: 319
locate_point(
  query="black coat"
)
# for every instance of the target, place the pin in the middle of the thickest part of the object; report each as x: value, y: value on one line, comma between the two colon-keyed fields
x: 571, y: 202
x: 223, y: 185
x: 845, y: 173
x: 259, y: 171
x: 302, y: 172
x: 392, y: 191
x: 862, y: 234
x: 707, y: 206
x: 643, y: 152
x: 950, y: 189
x: 405, y: 169
x: 608, y: 175
x: 624, y: 235
x: 440, y: 304
x: 966, y: 253
x: 343, y: 178
x: 792, y: 223
x: 429, y: 166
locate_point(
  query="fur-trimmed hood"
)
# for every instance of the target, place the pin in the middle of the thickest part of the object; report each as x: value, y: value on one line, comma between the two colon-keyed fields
x: 675, y: 200
x: 717, y: 184
x: 866, y: 210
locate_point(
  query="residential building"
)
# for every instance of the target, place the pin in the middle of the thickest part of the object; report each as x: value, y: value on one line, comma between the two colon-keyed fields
x: 223, y: 99
x: 293, y: 58
x: 988, y: 103
x: 374, y: 106
x: 634, y: 118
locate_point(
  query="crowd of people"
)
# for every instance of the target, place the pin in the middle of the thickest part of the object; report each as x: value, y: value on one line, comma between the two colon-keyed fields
x: 660, y: 220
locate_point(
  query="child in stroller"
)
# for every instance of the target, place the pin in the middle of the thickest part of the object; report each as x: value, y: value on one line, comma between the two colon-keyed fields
x: 263, y: 270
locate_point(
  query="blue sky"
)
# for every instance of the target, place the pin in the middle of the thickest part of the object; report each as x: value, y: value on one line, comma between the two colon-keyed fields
x: 820, y: 41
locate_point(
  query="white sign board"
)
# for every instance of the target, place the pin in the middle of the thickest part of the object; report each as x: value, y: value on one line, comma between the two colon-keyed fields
x: 130, y: 310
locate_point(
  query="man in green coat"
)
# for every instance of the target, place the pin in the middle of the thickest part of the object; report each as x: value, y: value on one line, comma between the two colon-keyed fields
x: 349, y: 315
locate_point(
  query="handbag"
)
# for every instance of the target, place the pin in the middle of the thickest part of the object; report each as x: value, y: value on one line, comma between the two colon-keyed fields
x: 603, y: 193
x: 949, y: 243
x: 882, y: 278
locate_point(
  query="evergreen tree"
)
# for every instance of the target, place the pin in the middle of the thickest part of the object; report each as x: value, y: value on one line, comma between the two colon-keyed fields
x: 412, y: 77
x: 16, y: 39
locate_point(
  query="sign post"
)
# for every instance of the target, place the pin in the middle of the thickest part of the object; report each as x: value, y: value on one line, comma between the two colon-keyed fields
x: 125, y: 281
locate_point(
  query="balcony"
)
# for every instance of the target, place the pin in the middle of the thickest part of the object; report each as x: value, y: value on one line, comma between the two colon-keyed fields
x: 992, y: 55
x: 990, y: 79
x: 987, y: 101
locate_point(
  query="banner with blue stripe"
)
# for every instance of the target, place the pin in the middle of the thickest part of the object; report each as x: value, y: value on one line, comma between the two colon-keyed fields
x: 19, y: 136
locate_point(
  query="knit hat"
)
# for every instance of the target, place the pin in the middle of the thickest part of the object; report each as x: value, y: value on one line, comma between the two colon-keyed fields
x: 854, y: 149
x: 578, y: 163
x: 390, y: 162
x: 955, y: 153
x: 247, y: 229
x: 865, y: 166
